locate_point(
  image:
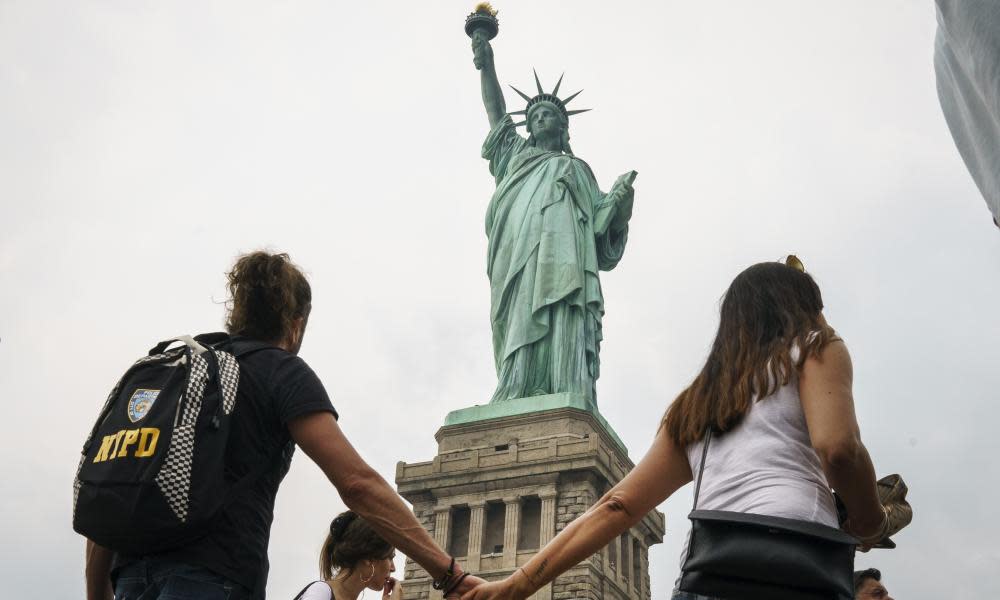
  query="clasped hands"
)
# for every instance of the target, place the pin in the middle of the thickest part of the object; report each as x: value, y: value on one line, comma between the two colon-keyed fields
x: 514, y: 587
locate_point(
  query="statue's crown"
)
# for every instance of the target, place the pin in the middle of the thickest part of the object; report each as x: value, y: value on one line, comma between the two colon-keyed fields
x: 543, y: 96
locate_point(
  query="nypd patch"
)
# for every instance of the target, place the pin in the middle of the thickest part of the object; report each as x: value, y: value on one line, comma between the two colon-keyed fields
x: 140, y: 403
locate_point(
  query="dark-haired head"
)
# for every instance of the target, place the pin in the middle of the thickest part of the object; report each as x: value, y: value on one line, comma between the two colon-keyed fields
x: 350, y: 544
x: 768, y: 309
x: 270, y: 299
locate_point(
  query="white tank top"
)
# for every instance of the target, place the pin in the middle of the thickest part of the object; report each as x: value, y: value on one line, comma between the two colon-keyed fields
x: 766, y: 465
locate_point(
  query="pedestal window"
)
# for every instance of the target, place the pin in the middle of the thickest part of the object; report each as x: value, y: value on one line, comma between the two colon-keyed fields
x: 529, y: 534
x: 493, y: 528
x: 458, y: 542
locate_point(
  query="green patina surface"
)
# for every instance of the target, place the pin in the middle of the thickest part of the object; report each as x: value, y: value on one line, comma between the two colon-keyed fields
x: 551, y: 230
x: 531, y: 404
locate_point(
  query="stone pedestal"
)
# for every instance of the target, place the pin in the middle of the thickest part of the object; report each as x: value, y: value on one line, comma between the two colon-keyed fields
x: 507, y: 478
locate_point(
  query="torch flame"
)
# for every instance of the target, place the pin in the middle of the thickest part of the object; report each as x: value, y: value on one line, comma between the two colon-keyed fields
x: 484, y: 8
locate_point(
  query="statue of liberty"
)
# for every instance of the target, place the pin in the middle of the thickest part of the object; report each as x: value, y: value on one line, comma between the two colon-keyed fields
x: 550, y: 230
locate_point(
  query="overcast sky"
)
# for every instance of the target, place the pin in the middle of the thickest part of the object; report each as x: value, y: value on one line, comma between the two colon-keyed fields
x: 143, y: 145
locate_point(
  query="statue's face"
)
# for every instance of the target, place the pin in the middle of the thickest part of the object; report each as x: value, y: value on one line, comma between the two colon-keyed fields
x: 545, y: 122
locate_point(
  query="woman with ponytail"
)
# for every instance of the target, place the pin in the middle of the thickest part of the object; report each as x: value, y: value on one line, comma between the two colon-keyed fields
x: 353, y: 559
x: 280, y: 403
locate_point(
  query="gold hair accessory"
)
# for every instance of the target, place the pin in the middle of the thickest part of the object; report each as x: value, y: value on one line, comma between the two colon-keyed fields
x: 794, y: 262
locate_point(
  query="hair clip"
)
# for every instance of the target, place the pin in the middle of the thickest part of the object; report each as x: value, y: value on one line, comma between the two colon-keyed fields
x: 793, y: 261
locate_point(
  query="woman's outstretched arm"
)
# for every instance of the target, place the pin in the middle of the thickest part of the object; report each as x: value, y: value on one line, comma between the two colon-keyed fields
x: 659, y: 474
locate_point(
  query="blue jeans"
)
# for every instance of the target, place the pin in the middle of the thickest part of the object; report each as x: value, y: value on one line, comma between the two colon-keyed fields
x: 156, y: 579
x: 679, y: 595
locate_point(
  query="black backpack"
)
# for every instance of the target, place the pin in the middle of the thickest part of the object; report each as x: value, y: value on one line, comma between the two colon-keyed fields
x: 152, y: 471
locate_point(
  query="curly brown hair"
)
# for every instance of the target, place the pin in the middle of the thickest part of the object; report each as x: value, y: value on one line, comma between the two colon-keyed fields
x: 267, y: 293
x: 350, y: 541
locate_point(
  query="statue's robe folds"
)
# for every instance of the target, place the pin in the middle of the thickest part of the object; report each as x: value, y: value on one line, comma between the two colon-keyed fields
x: 549, y: 230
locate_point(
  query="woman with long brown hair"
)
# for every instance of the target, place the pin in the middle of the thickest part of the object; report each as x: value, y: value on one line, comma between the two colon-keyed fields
x: 775, y: 394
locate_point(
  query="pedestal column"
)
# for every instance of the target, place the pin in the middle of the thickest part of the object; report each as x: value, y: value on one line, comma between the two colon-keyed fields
x: 476, y: 512
x: 628, y: 566
x: 442, y: 526
x: 548, y: 519
x: 511, y: 528
x: 442, y: 531
x: 547, y: 532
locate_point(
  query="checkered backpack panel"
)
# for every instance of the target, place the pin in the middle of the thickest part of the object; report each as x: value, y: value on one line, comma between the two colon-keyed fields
x: 174, y: 478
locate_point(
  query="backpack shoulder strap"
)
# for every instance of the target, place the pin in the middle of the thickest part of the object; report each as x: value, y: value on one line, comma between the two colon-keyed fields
x: 195, y: 344
x: 198, y: 344
x: 214, y: 339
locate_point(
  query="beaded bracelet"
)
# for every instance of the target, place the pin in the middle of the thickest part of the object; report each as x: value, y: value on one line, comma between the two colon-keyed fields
x: 455, y: 585
x: 446, y: 578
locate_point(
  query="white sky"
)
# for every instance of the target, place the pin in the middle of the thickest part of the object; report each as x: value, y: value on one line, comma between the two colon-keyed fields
x: 144, y: 145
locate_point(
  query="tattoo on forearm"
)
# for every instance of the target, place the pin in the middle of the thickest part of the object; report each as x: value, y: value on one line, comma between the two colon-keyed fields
x: 541, y: 568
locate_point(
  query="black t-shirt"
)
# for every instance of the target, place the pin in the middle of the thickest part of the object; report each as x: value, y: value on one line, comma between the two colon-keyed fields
x: 275, y: 387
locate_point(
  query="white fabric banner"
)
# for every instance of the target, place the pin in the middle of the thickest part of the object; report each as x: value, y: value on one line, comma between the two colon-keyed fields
x: 967, y: 63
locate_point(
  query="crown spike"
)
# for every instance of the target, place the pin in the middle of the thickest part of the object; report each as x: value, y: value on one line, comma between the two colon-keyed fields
x: 519, y: 123
x: 570, y: 113
x: 566, y: 101
x: 518, y: 112
x: 555, y: 92
x: 538, y: 83
x: 526, y: 97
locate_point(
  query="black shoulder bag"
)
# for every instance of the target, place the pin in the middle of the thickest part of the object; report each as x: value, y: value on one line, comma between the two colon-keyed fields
x: 759, y: 557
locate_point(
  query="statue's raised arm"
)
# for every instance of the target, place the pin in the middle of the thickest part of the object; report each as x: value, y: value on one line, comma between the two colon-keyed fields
x: 482, y: 52
x: 493, y: 100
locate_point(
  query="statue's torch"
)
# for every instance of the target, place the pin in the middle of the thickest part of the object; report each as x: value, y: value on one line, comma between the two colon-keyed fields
x: 482, y: 22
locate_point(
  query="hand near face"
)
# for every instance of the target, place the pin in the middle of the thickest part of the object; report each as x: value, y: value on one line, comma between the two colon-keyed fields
x: 392, y: 590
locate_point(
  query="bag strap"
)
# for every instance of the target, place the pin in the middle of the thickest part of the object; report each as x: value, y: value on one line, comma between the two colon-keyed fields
x: 212, y: 341
x: 309, y: 585
x: 196, y: 347
x: 701, y: 467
